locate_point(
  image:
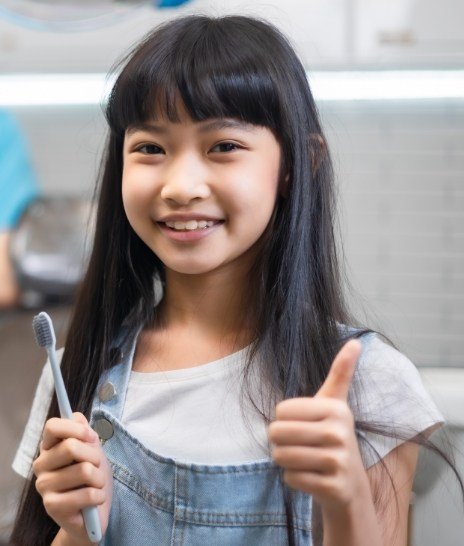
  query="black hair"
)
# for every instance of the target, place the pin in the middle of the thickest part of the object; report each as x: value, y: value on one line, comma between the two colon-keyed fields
x: 236, y: 67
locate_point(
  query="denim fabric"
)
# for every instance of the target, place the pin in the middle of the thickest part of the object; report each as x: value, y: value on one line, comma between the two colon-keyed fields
x: 160, y: 501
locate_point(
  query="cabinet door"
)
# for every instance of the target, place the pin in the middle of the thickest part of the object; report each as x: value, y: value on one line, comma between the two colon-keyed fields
x: 409, y: 32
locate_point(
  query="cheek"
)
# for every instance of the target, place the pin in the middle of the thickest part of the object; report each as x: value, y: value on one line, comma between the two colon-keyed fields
x: 128, y: 200
x: 258, y: 192
x: 135, y: 193
x: 133, y: 201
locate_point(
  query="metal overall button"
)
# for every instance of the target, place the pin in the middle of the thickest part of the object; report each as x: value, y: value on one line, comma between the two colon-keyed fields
x: 107, y: 391
x: 104, y: 429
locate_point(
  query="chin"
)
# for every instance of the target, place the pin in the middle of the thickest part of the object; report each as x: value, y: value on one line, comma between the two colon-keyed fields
x: 191, y: 268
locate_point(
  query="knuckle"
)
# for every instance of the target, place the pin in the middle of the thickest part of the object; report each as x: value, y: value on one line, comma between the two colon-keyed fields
x: 333, y: 489
x: 273, y: 431
x: 95, y: 496
x: 39, y: 485
x: 70, y: 446
x: 340, y: 410
x: 332, y: 461
x: 278, y: 455
x: 296, y: 480
x: 343, y: 460
x: 290, y: 478
x: 51, y: 424
x: 36, y: 466
x: 87, y: 472
x: 78, y: 416
x: 50, y: 503
x: 337, y: 461
x: 338, y: 435
x: 280, y: 409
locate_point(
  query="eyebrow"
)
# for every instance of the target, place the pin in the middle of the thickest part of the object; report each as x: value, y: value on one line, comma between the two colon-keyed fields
x: 204, y: 127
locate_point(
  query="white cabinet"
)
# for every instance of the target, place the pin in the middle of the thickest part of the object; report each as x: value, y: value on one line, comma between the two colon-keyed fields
x: 413, y: 33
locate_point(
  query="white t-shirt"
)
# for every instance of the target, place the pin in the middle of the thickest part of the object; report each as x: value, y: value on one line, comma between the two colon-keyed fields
x: 199, y: 415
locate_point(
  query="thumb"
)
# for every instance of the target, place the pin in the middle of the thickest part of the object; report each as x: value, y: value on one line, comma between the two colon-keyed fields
x: 337, y: 383
x: 92, y: 436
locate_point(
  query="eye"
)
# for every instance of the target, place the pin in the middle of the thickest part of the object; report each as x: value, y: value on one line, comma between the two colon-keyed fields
x: 149, y: 149
x: 226, y: 147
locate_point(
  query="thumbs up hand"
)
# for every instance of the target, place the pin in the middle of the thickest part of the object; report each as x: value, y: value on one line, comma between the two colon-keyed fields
x: 314, y: 438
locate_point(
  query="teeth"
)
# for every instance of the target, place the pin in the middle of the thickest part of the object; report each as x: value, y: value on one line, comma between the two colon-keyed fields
x: 191, y: 225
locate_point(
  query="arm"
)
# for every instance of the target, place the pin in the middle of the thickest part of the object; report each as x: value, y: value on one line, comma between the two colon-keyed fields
x: 9, y: 290
x: 393, y: 514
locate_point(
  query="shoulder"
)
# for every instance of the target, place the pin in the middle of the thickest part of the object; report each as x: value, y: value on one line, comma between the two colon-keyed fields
x: 387, y: 394
x: 387, y: 388
x: 380, y: 360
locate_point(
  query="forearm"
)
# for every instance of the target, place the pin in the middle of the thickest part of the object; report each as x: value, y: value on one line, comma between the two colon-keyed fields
x: 9, y: 291
x: 353, y: 525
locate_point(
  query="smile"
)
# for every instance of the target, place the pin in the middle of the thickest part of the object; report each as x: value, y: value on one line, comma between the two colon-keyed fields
x: 190, y: 225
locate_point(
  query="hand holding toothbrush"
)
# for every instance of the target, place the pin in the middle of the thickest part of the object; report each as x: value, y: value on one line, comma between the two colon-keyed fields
x: 73, y: 474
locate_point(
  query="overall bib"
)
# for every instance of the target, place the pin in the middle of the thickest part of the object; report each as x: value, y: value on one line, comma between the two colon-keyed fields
x: 160, y: 501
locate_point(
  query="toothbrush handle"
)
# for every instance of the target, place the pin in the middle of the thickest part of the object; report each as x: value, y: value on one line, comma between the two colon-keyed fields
x: 92, y: 523
x: 63, y: 400
x: 90, y: 513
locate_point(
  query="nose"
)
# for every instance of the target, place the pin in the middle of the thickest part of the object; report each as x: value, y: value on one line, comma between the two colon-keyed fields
x: 185, y: 180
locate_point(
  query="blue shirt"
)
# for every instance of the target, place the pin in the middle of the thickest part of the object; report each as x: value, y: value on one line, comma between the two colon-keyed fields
x: 18, y: 186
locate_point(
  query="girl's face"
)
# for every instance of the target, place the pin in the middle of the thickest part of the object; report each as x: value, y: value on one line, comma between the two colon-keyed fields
x: 200, y: 194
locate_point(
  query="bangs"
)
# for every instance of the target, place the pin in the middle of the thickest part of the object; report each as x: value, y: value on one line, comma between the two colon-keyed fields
x: 217, y: 70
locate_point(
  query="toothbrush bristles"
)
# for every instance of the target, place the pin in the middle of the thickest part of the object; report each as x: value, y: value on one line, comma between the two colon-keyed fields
x: 43, y: 332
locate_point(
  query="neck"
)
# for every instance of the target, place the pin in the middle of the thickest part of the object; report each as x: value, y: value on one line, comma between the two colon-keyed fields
x: 212, y: 304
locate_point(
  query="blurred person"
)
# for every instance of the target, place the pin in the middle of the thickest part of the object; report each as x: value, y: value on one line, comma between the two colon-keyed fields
x: 18, y: 187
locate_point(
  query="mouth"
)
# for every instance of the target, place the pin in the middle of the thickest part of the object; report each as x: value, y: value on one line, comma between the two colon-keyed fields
x: 191, y: 225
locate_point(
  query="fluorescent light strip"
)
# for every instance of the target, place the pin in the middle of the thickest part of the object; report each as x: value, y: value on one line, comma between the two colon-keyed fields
x: 88, y: 89
x: 53, y: 89
x: 388, y: 85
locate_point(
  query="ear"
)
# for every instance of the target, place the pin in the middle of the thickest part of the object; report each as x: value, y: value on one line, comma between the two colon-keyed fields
x: 317, y: 150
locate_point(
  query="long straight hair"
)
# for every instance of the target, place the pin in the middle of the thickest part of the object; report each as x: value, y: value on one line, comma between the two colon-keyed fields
x: 236, y: 67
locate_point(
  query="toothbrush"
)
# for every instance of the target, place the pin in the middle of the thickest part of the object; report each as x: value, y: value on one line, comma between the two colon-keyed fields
x: 45, y: 337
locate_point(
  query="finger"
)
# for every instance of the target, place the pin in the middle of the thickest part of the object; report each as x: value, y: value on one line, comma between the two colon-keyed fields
x: 57, y: 429
x: 71, y: 477
x: 67, y: 452
x: 68, y: 504
x: 310, y: 482
x: 309, y: 459
x: 306, y: 434
x: 337, y: 383
x: 310, y: 409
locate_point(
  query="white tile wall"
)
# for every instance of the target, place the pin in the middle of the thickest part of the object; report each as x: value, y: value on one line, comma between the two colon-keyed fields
x: 400, y: 167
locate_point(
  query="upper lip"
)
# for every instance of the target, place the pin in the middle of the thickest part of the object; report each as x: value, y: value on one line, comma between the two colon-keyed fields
x: 188, y: 216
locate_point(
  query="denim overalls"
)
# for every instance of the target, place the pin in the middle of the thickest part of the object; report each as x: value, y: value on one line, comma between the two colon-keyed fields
x: 158, y: 501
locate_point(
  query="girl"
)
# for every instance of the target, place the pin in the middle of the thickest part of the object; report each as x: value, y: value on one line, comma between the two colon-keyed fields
x: 209, y: 345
